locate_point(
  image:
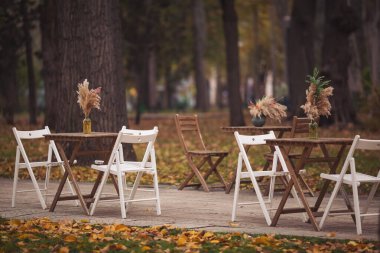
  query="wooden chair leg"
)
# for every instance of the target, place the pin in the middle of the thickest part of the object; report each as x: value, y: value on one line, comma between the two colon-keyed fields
x: 197, y: 173
x: 192, y: 173
x: 213, y: 168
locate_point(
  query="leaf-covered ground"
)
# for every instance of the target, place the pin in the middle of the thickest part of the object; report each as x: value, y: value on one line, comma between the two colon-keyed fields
x: 44, y: 235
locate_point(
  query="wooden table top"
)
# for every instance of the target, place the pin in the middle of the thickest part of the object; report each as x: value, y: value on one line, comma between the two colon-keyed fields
x: 79, y: 136
x: 283, y: 128
x: 309, y: 142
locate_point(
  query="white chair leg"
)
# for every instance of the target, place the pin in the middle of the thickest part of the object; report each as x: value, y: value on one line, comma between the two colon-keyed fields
x: 370, y: 197
x: 47, y: 180
x: 357, y: 208
x: 121, y: 195
x: 237, y: 188
x: 15, y: 178
x: 261, y: 200
x: 99, y: 192
x: 158, y: 205
x: 329, y: 204
x: 134, y: 189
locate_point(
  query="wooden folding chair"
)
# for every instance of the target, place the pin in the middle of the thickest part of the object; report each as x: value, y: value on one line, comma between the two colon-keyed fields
x: 350, y: 176
x: 192, y: 142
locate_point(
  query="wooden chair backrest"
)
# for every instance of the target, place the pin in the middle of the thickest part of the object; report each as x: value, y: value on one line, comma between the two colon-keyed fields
x: 189, y: 125
x: 299, y: 126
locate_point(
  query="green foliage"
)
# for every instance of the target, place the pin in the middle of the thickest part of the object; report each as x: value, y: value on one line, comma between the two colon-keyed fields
x: 318, y: 81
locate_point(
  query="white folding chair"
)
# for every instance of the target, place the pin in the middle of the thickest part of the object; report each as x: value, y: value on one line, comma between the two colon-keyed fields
x: 254, y: 140
x: 29, y: 165
x: 118, y: 166
x: 354, y: 179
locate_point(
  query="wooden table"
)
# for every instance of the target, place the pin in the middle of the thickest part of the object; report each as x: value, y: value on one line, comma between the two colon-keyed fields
x: 76, y: 139
x: 307, y: 145
x: 253, y: 130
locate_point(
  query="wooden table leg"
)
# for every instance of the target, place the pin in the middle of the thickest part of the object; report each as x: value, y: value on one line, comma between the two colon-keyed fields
x: 294, y: 181
x: 70, y: 174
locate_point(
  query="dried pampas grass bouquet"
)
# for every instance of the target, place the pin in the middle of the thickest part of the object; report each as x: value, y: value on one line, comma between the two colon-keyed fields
x: 88, y: 99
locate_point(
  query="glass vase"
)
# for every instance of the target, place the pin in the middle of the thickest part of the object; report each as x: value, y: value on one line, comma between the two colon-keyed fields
x: 87, y: 125
x: 313, y: 130
x: 258, y: 121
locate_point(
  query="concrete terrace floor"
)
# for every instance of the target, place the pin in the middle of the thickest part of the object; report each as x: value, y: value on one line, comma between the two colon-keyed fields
x: 190, y: 208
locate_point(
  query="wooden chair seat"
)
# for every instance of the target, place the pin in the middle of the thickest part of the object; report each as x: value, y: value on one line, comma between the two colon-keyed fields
x: 200, y: 156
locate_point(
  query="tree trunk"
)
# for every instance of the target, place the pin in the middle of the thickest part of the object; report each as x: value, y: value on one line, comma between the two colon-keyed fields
x: 88, y: 45
x: 233, y: 68
x: 300, y: 52
x: 340, y: 23
x: 29, y: 62
x: 372, y: 34
x: 50, y: 70
x: 10, y: 42
x: 199, y: 21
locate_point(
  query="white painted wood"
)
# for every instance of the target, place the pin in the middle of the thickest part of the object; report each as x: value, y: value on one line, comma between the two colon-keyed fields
x: 119, y: 167
x: 27, y: 164
x: 350, y: 176
x: 254, y: 140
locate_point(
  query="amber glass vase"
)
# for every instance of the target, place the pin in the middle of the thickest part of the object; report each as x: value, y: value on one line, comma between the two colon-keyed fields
x: 313, y: 130
x: 87, y: 125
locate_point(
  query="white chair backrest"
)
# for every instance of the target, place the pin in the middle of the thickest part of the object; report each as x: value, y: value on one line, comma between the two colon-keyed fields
x: 33, y: 134
x: 367, y: 144
x: 253, y: 139
x: 130, y: 136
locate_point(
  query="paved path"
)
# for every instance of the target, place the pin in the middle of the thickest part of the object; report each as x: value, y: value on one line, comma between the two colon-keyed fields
x: 190, y: 208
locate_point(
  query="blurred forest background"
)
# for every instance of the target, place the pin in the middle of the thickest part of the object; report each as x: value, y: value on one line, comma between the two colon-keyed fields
x: 171, y: 55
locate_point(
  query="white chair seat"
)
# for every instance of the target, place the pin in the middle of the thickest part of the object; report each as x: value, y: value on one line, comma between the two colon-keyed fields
x: 347, y: 178
x: 40, y: 164
x: 125, y: 167
x: 264, y: 173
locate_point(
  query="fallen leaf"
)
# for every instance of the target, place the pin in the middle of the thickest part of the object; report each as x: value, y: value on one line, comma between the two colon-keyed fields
x: 70, y: 238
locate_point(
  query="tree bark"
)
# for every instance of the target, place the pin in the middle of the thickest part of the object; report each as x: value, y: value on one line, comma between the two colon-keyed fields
x: 86, y: 38
x: 29, y: 62
x: 300, y: 52
x: 372, y: 34
x: 199, y: 27
x: 10, y: 42
x: 230, y: 20
x: 340, y: 23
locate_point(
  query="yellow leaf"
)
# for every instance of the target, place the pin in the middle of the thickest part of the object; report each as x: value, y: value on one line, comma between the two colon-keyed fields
x: 214, y: 241
x: 182, y: 240
x: 84, y: 221
x: 119, y: 246
x: 108, y: 238
x: 26, y: 236
x: 261, y: 240
x: 122, y: 228
x: 352, y: 243
x: 64, y: 250
x: 331, y: 234
x: 208, y: 234
x: 145, y: 248
x: 234, y: 224
x: 15, y: 223
x: 70, y: 238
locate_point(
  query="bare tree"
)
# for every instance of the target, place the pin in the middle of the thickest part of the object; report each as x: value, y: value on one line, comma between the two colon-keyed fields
x: 231, y: 36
